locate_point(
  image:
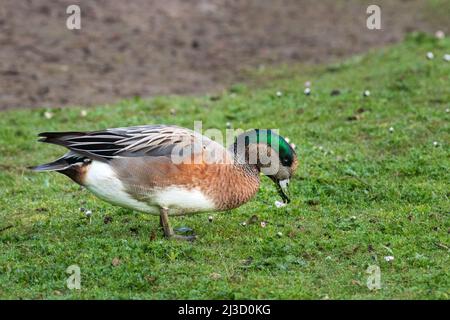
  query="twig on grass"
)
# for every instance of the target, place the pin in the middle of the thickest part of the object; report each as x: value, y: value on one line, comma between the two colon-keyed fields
x: 6, y: 227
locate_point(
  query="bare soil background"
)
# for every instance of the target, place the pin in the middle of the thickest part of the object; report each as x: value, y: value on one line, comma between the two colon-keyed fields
x: 151, y: 47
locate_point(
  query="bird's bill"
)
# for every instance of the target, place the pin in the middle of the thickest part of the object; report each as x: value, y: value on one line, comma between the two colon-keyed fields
x: 283, y: 191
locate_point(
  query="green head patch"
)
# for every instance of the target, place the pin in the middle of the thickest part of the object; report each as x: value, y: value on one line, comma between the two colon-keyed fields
x: 275, y: 141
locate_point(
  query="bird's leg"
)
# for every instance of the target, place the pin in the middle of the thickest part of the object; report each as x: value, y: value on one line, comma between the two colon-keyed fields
x: 164, y: 221
x: 160, y: 222
x: 168, y: 231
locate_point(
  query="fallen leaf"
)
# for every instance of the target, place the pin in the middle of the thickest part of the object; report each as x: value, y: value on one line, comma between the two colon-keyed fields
x: 361, y: 110
x: 292, y: 234
x: 254, y: 218
x: 247, y: 262
x: 150, y: 279
x: 115, y: 262
x: 313, y: 202
x: 335, y: 92
x: 356, y: 283
x: 354, y: 118
x: 215, y: 276
x: 107, y: 219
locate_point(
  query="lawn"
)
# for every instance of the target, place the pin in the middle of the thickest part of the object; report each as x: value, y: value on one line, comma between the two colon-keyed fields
x: 373, y: 182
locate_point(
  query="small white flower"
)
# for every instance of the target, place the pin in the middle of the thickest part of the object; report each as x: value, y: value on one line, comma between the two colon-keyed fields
x: 389, y: 258
x: 447, y: 57
x: 228, y: 125
x: 210, y: 218
x: 447, y: 110
x: 391, y: 129
x: 435, y: 143
x: 279, y: 93
x: 287, y: 139
x: 263, y: 224
x: 279, y: 204
x: 440, y: 34
x: 88, y: 213
x: 366, y: 93
x: 307, y: 91
x: 430, y: 55
x: 83, y: 113
x: 48, y: 115
x: 279, y: 234
x: 244, y: 224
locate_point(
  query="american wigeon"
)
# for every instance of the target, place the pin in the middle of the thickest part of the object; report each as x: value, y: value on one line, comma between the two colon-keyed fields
x: 168, y: 170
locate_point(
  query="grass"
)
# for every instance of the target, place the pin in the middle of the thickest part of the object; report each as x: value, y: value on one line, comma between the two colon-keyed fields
x: 361, y: 193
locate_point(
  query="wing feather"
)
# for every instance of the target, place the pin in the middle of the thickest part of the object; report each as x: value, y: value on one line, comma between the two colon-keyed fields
x: 152, y: 140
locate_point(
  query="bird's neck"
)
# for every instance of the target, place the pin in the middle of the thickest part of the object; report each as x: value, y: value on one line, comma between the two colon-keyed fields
x: 241, y: 162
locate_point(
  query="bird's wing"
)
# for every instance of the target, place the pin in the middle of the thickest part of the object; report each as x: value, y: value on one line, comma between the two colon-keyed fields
x: 151, y: 140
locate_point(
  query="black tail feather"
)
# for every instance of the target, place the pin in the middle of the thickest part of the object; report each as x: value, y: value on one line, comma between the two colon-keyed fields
x: 57, y: 165
x: 59, y: 138
x: 61, y: 164
x: 97, y: 145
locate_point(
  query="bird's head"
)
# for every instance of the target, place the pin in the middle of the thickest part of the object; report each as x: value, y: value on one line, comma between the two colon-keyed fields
x: 271, y: 154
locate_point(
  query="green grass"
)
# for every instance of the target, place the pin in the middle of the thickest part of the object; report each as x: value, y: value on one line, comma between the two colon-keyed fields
x: 361, y: 193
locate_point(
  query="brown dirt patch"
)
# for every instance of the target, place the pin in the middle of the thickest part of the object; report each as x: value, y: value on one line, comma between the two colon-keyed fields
x: 144, y: 48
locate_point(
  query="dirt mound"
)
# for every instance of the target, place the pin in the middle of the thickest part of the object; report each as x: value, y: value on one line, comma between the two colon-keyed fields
x: 143, y: 48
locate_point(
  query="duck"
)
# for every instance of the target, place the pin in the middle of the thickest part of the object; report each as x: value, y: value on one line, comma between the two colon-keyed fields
x: 167, y: 170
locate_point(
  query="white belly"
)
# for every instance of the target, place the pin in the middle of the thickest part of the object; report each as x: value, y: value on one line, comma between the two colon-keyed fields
x: 182, y: 200
x: 103, y: 182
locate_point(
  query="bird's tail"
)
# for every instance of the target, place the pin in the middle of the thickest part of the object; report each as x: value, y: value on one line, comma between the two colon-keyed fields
x: 57, y: 165
x: 63, y: 163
